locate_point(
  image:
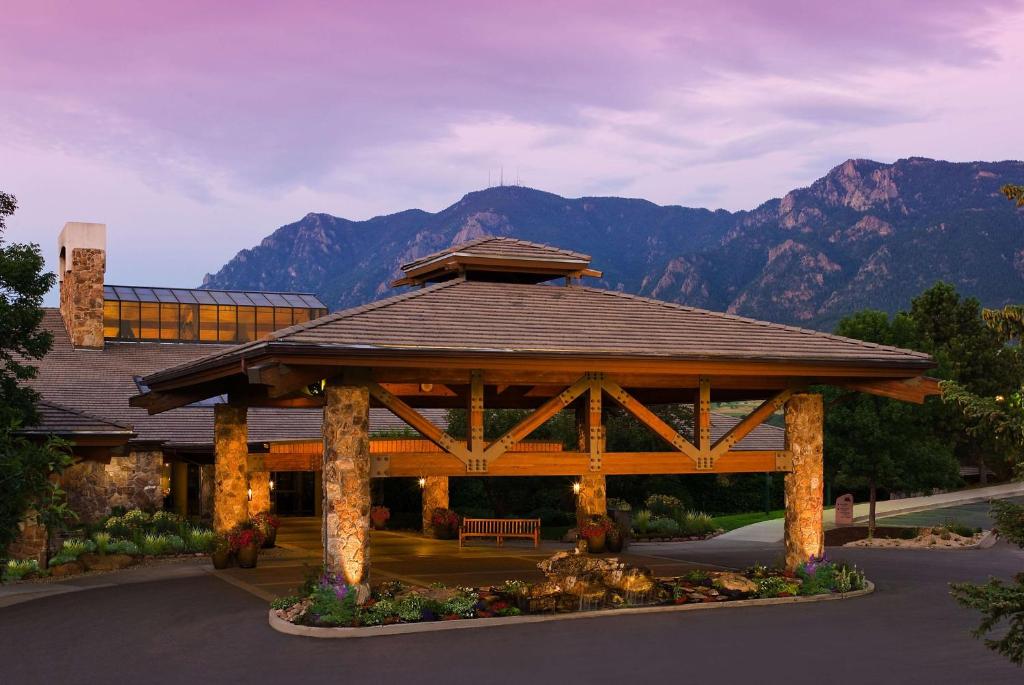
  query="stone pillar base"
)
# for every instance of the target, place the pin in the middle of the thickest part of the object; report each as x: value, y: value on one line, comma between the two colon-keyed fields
x: 805, y: 536
x: 592, y: 498
x: 435, y: 495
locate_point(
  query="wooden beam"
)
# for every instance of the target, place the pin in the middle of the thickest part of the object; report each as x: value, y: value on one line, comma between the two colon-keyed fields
x: 749, y: 423
x: 475, y: 423
x: 650, y: 419
x: 702, y: 424
x: 282, y: 379
x: 595, y: 423
x: 418, y: 422
x: 535, y: 419
x: 914, y: 390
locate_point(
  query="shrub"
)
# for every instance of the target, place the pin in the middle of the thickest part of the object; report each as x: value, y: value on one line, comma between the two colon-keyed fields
x: 117, y: 527
x: 153, y: 545
x: 663, y: 505
x: 642, y: 521
x: 908, y: 533
x: 199, y: 539
x: 595, y: 527
x: 285, y: 602
x: 961, y: 529
x: 102, y: 540
x: 509, y: 611
x: 663, y: 526
x: 165, y: 522
x: 775, y: 586
x: 696, y: 575
x: 616, y: 504
x: 514, y: 587
x: 463, y: 604
x: 380, y: 612
x: 124, y: 547
x: 333, y: 601
x: 136, y: 519
x: 17, y: 569
x: 175, y: 544
x: 694, y: 523
x: 71, y: 550
x: 848, y: 578
x: 412, y: 607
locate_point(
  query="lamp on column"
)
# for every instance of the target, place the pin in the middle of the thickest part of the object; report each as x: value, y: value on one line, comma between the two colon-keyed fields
x: 423, y: 483
x: 271, y: 485
x: 576, y: 487
x: 248, y: 494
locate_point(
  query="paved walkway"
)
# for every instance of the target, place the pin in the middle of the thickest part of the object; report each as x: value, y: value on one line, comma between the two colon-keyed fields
x: 772, y: 531
x: 199, y: 629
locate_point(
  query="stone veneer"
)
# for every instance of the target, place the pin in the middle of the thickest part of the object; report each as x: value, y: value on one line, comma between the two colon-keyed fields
x: 804, y: 485
x: 231, y: 456
x: 81, y: 297
x: 259, y: 481
x: 346, y: 478
x: 591, y: 499
x: 435, y: 494
x: 31, y: 540
x: 134, y: 482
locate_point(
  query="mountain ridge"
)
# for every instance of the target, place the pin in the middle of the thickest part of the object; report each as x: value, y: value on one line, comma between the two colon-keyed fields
x: 866, y: 234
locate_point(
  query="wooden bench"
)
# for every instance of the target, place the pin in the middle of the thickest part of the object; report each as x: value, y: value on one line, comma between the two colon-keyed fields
x: 500, y: 529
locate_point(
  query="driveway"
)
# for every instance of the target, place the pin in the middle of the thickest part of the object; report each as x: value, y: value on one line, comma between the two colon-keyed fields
x: 203, y: 630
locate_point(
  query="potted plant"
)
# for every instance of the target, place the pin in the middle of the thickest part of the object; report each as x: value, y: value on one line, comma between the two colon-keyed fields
x: 379, y: 516
x: 221, y: 552
x: 268, y: 525
x: 614, y: 539
x: 445, y: 523
x: 595, y: 532
x: 246, y: 541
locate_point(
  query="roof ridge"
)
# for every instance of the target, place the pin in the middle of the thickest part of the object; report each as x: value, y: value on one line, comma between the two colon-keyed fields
x: 466, y: 246
x: 79, y: 412
x: 212, y: 290
x: 767, y: 324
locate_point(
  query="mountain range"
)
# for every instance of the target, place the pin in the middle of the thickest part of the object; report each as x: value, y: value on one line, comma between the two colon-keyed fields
x: 866, y: 234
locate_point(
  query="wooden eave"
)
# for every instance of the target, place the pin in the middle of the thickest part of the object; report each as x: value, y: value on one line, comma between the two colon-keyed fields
x: 456, y: 263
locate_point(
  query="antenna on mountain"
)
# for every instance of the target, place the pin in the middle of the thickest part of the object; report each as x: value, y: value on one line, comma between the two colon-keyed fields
x: 488, y: 178
x: 501, y: 181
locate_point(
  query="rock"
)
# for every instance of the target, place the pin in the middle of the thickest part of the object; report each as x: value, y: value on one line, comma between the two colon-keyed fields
x: 734, y: 582
x: 71, y: 568
x: 107, y: 562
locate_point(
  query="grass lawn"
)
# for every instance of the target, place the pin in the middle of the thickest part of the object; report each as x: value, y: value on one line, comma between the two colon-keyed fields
x: 733, y: 521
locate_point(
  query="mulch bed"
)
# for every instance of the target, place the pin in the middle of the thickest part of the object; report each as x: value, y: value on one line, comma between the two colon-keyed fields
x: 838, y: 537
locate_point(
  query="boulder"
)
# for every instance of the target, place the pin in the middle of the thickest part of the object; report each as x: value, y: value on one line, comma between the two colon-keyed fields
x: 734, y: 582
x: 72, y: 568
x: 106, y: 562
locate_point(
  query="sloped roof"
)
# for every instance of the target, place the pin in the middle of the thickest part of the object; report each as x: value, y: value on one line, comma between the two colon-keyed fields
x: 98, y: 383
x: 250, y: 298
x: 463, y: 316
x: 502, y: 247
x: 55, y: 419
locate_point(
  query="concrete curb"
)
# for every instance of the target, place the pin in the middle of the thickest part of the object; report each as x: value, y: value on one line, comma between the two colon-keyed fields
x: 283, y: 626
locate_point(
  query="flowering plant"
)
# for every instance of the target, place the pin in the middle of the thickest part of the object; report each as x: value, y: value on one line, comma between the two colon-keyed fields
x: 595, y: 527
x: 444, y: 518
x: 245, y: 536
x: 379, y: 515
x: 266, y: 522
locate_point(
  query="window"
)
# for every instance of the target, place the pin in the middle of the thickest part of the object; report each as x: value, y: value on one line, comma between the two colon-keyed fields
x: 150, y: 320
x: 282, y: 317
x: 227, y: 324
x: 246, y: 324
x: 169, y: 322
x: 129, y: 320
x: 189, y: 323
x: 264, y: 321
x: 111, y: 318
x: 208, y: 322
x: 301, y: 315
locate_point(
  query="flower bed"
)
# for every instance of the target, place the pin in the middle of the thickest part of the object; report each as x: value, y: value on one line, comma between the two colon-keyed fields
x: 574, y: 583
x: 117, y: 542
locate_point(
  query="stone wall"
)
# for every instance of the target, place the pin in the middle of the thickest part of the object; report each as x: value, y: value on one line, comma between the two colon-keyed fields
x: 805, y: 536
x: 591, y: 499
x: 31, y: 541
x: 134, y: 481
x: 81, y: 296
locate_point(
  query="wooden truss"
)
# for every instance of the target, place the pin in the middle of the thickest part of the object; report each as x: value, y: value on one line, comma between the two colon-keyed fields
x: 507, y: 456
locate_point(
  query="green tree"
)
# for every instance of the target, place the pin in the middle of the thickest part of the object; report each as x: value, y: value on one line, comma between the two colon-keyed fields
x: 25, y: 467
x: 1014, y: 194
x: 873, y: 442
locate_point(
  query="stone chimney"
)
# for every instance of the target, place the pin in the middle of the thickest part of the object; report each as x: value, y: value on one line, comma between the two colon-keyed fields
x: 83, y: 257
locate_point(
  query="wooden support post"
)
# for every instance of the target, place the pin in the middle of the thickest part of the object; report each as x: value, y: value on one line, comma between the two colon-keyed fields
x: 475, y: 444
x: 804, y: 484
x: 591, y: 497
x: 435, y: 494
x: 346, y: 482
x: 595, y: 425
x: 231, y: 453
x: 179, y: 487
x: 702, y: 421
x: 259, y: 483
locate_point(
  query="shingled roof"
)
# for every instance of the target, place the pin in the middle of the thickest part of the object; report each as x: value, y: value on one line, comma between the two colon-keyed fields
x: 502, y: 248
x: 464, y: 316
x: 92, y: 387
x: 57, y: 420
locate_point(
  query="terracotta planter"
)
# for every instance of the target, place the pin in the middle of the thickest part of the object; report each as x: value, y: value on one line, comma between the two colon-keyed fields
x: 595, y: 543
x: 614, y: 542
x: 248, y: 555
x: 221, y: 558
x: 271, y: 538
x: 445, y: 533
x: 378, y: 524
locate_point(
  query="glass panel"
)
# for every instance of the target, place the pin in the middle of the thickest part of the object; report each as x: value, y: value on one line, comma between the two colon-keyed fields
x: 125, y: 293
x: 189, y: 329
x: 150, y: 321
x: 246, y: 324
x: 183, y: 296
x: 111, y: 318
x: 208, y: 322
x: 146, y: 294
x: 310, y: 301
x: 240, y: 298
x: 203, y: 297
x: 168, y: 321
x: 300, y: 315
x: 227, y: 329
x: 259, y: 299
x: 264, y: 321
x: 282, y: 317
x: 164, y: 295
x: 294, y: 300
x: 277, y: 299
x: 129, y: 320
x: 108, y: 293
x: 221, y: 297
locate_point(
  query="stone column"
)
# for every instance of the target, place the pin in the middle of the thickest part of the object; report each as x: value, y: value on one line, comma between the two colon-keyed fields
x: 179, y: 487
x: 231, y: 453
x: 318, y: 494
x: 346, y: 478
x: 259, y: 481
x: 207, y: 479
x: 435, y: 494
x: 804, y: 485
x: 591, y: 500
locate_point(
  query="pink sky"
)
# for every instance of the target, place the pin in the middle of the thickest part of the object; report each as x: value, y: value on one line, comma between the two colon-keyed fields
x: 194, y: 129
